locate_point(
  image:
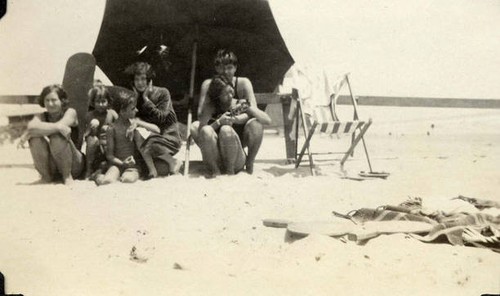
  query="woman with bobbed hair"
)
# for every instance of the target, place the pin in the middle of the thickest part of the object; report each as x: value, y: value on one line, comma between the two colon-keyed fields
x: 52, y: 135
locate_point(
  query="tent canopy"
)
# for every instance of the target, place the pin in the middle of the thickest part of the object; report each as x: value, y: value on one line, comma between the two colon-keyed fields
x: 246, y: 27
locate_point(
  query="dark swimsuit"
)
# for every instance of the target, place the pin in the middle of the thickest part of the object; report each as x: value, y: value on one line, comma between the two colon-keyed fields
x: 74, y: 129
x: 238, y: 128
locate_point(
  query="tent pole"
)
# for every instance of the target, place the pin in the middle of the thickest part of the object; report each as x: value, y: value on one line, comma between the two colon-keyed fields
x: 190, y: 103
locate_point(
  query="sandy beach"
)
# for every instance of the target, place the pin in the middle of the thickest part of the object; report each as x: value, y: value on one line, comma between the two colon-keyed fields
x: 197, y: 236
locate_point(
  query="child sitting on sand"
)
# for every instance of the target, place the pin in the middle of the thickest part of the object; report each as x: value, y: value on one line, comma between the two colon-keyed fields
x: 98, y: 121
x: 121, y: 148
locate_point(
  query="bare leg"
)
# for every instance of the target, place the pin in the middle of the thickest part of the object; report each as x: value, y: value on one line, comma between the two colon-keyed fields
x: 252, y: 137
x: 194, y: 131
x: 112, y: 175
x: 129, y: 176
x: 91, y: 152
x: 60, y: 149
x: 146, y: 155
x: 207, y: 141
x: 173, y: 164
x: 232, y: 154
x: 77, y: 164
x: 148, y: 159
x: 40, y: 151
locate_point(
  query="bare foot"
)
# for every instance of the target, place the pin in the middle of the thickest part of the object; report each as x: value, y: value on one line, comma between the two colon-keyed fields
x: 150, y: 176
x: 88, y: 175
x: 69, y: 181
x: 176, y: 166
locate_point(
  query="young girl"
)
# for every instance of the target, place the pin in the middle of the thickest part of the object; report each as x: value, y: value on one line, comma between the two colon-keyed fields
x: 51, y: 138
x: 98, y: 121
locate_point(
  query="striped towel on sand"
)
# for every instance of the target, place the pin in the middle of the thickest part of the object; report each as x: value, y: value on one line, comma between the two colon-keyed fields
x: 460, y: 228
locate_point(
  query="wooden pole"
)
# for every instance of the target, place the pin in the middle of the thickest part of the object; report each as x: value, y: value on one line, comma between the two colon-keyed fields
x: 190, y: 103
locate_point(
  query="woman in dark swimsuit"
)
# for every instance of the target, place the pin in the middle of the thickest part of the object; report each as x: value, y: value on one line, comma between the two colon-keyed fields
x: 221, y: 133
x: 248, y: 126
x: 51, y: 138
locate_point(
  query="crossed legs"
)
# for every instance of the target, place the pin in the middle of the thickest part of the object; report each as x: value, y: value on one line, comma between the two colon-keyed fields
x: 151, y: 155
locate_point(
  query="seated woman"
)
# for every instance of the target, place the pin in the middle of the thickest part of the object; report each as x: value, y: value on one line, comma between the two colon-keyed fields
x: 52, y: 135
x: 250, y: 132
x: 223, y: 128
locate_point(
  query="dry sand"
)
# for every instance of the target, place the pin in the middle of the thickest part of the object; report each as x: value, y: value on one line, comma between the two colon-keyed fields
x: 194, y: 236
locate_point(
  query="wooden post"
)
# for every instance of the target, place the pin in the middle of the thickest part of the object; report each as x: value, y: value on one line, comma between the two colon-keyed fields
x: 190, y: 104
x: 289, y: 108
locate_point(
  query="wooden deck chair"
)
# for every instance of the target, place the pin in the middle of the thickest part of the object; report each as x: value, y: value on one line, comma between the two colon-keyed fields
x: 324, y: 118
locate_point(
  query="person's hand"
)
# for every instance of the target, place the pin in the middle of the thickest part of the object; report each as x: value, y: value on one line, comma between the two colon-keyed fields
x: 64, y: 130
x: 145, y: 98
x: 226, y: 119
x: 22, y: 142
x: 94, y: 124
x: 241, y: 107
x: 129, y: 162
x: 129, y: 133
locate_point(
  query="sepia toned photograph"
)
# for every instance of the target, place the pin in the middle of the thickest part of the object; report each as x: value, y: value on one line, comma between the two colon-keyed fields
x: 249, y: 147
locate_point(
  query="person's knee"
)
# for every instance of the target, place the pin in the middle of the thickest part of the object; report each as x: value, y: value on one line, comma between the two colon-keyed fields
x: 254, y: 128
x: 129, y: 177
x: 226, y: 132
x: 37, y: 143
x: 207, y: 133
x: 194, y: 128
x: 57, y: 140
x: 58, y: 144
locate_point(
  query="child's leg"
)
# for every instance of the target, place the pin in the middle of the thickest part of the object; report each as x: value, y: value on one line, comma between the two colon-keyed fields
x: 130, y: 175
x: 91, y: 153
x: 112, y: 175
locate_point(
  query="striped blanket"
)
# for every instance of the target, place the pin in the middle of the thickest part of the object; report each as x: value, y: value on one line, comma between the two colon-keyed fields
x: 458, y: 228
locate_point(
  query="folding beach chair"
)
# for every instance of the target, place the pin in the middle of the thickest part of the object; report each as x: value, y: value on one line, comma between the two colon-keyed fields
x: 324, y: 118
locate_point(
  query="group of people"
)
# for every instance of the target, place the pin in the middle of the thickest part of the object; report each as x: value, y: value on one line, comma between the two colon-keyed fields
x: 134, y: 133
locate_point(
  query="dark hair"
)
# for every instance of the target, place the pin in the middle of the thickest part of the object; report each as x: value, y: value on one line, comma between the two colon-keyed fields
x: 57, y: 88
x: 225, y: 57
x: 218, y: 84
x: 139, y: 68
x: 99, y: 91
x: 124, y: 99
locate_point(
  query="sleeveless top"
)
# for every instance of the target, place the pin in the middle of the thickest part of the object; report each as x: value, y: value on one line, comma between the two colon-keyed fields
x: 123, y: 146
x: 74, y: 129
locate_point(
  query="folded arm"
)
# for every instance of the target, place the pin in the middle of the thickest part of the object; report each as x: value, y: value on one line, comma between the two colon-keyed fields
x: 161, y: 113
x: 252, y: 111
x: 39, y: 128
x: 149, y: 126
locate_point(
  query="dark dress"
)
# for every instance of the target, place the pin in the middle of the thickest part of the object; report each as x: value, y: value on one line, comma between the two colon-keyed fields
x: 159, y: 111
